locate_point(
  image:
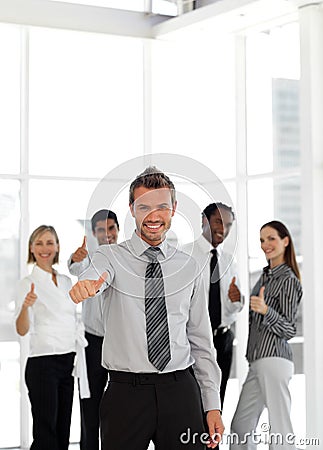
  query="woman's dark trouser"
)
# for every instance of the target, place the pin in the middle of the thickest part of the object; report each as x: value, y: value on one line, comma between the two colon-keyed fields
x: 98, y: 377
x: 163, y: 408
x: 50, y: 387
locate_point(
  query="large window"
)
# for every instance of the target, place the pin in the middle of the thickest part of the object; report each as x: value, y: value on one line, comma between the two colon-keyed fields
x: 93, y: 102
x: 9, y: 231
x: 273, y: 72
x: 82, y: 116
x: 10, y: 99
x: 86, y: 100
x: 9, y: 349
x: 193, y: 100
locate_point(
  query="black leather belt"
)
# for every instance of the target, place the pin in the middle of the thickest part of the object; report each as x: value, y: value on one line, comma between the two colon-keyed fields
x: 221, y: 330
x: 146, y: 378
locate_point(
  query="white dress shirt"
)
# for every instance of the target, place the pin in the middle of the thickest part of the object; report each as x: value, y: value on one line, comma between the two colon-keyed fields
x: 125, y: 341
x: 54, y: 328
x: 200, y: 250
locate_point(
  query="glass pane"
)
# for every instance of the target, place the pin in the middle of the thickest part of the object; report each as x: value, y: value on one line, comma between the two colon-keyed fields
x: 193, y: 99
x: 286, y: 124
x: 86, y: 99
x: 231, y: 188
x: 10, y: 98
x: 9, y: 349
x: 9, y: 250
x: 287, y: 208
x: 270, y: 199
x: 10, y: 395
x: 260, y: 211
x: 62, y: 204
x: 287, y: 200
x: 273, y: 71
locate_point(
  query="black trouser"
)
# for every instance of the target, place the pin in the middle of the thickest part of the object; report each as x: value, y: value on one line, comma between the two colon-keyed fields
x: 223, y: 344
x: 163, y: 408
x: 97, y: 377
x: 50, y: 387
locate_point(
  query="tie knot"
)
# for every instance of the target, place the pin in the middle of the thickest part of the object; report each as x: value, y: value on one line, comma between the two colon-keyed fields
x: 152, y: 253
x: 214, y: 253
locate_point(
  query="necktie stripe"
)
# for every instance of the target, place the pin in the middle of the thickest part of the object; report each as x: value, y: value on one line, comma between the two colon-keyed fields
x: 153, y: 271
x: 153, y: 286
x: 154, y: 319
x: 158, y: 327
x: 156, y: 312
x: 159, y: 355
x: 159, y: 349
x: 159, y: 344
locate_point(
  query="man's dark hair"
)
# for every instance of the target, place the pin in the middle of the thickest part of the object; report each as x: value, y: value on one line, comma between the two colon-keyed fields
x: 213, y: 207
x: 103, y: 214
x: 152, y: 178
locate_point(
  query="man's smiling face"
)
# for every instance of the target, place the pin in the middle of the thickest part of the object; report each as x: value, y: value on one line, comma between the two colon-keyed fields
x: 153, y: 211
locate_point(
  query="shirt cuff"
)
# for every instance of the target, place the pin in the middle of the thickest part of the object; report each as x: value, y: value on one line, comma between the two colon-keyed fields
x: 271, y: 317
x: 211, y: 400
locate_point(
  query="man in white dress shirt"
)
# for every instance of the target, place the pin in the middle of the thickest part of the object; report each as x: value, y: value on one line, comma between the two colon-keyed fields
x: 157, y: 332
x: 105, y: 229
x: 220, y: 281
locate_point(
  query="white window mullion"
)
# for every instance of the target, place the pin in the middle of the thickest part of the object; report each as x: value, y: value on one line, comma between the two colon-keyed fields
x: 311, y: 90
x: 24, y: 221
x: 242, y: 206
x: 147, y: 99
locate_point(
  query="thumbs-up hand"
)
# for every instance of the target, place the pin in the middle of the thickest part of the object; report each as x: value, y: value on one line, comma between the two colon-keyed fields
x: 233, y: 292
x: 257, y: 302
x: 30, y: 298
x: 87, y: 288
x: 81, y: 252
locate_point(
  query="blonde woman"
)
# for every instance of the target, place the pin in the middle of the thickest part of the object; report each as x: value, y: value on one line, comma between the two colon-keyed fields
x: 45, y: 311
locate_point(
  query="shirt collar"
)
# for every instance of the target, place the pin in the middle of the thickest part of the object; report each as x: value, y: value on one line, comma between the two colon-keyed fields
x: 207, y: 247
x: 41, y: 274
x: 140, y: 246
x: 276, y: 271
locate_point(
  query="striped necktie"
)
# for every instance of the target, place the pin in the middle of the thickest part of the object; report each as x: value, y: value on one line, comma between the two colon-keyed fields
x: 156, y: 312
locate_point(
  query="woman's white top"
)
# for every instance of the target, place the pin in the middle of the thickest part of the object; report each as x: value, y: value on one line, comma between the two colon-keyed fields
x: 54, y: 327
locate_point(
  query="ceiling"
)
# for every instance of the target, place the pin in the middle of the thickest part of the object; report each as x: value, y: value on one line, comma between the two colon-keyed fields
x: 149, y: 18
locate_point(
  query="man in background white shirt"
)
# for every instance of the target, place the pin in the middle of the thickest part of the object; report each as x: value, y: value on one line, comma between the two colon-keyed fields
x: 225, y: 299
x: 105, y: 228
